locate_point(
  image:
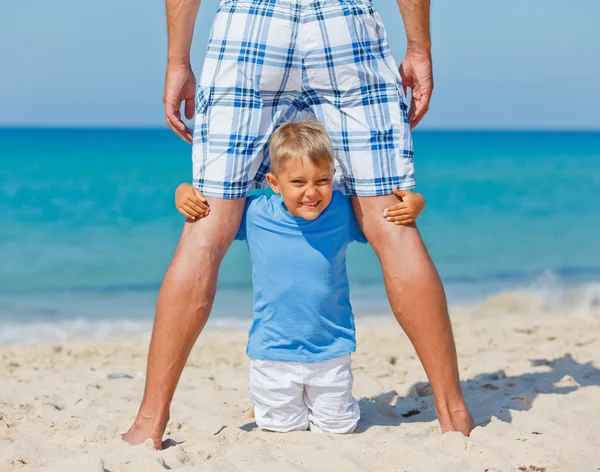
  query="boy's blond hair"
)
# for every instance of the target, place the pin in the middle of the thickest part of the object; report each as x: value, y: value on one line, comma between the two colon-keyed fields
x: 300, y: 140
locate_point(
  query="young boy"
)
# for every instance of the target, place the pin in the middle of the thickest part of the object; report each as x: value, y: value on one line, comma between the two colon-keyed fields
x: 303, y: 330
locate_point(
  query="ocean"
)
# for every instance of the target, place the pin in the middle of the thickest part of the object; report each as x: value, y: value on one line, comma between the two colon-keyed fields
x: 88, y: 226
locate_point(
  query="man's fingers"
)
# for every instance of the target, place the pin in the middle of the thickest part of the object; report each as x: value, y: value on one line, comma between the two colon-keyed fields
x: 173, y: 127
x: 406, y: 76
x: 416, y: 74
x: 185, y: 133
x: 418, y: 108
x: 405, y: 79
x: 414, y: 121
x: 190, y: 107
x: 178, y: 99
x: 175, y: 124
x: 175, y: 118
x: 174, y: 121
x: 423, y: 104
x: 411, y: 112
x: 173, y: 113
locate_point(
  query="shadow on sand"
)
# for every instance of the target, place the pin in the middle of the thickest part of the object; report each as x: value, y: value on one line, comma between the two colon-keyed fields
x: 485, y: 390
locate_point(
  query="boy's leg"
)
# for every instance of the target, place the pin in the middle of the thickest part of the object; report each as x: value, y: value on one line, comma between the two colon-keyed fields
x: 328, y: 395
x: 184, y: 303
x: 277, y: 391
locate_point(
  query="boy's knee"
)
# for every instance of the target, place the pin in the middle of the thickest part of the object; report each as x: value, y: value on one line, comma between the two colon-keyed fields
x: 281, y: 420
x: 340, y: 417
x: 326, y: 423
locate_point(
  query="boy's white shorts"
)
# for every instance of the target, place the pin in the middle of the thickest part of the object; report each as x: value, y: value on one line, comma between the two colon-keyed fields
x: 294, y: 396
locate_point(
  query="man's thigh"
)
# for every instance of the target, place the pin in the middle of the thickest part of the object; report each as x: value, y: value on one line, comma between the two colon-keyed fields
x: 400, y: 249
x: 191, y: 279
x: 210, y: 237
x: 355, y: 90
x: 250, y: 81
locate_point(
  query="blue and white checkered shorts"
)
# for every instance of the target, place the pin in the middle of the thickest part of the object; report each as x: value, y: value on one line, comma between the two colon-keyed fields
x: 270, y: 59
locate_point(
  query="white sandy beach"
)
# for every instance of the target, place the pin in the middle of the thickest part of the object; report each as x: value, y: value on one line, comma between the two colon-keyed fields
x: 531, y: 379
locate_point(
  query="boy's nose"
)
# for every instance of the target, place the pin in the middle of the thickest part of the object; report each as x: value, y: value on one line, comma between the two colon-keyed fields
x: 311, y: 192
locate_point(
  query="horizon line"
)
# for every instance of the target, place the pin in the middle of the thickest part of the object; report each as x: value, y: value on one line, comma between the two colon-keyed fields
x: 419, y: 130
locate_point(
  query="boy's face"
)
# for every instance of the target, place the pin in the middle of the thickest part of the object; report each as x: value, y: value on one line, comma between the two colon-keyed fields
x: 305, y: 188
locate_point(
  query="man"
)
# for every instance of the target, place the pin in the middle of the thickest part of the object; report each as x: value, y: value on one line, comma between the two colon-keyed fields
x: 266, y: 60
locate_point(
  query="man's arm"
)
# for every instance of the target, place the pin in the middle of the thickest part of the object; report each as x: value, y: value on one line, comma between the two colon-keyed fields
x: 416, y: 68
x: 180, y: 83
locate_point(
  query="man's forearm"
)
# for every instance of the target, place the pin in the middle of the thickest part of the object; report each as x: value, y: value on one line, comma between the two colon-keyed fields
x: 181, y: 18
x: 415, y: 14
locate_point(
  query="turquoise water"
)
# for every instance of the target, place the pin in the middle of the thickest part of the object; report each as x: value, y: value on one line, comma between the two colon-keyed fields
x: 88, y: 226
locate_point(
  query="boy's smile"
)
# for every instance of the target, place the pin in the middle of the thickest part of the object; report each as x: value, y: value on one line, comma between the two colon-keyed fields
x: 305, y: 187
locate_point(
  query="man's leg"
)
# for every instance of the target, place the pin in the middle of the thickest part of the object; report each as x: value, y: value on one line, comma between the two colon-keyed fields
x: 184, y: 303
x: 419, y: 304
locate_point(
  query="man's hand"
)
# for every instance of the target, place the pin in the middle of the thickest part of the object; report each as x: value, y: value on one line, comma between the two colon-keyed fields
x: 180, y: 86
x: 416, y: 72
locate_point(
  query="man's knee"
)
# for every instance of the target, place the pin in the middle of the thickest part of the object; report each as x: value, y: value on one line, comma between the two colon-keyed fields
x: 209, y: 238
x: 379, y: 232
x: 385, y: 235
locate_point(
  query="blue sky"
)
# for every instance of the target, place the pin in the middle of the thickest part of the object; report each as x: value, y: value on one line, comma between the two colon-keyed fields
x: 515, y: 64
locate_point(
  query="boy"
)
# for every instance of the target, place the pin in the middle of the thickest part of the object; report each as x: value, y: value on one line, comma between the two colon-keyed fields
x: 303, y: 330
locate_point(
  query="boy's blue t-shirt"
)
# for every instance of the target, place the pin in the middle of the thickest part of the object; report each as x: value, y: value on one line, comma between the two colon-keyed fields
x: 302, y: 309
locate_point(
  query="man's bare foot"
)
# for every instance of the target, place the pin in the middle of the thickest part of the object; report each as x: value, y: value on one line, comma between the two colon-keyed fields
x: 457, y: 420
x: 144, y: 428
x: 251, y: 413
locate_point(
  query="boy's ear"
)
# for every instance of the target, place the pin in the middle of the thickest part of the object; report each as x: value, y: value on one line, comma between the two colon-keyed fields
x: 272, y: 180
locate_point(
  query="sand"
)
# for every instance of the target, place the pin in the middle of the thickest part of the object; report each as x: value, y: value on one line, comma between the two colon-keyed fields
x: 531, y: 379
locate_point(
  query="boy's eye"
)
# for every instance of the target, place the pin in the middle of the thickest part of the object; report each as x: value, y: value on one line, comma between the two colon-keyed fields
x: 297, y: 181
x: 323, y: 181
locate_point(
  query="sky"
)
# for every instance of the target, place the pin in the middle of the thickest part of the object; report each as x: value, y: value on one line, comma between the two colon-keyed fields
x: 511, y: 64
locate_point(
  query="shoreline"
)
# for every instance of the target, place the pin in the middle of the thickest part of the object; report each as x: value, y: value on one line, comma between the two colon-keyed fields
x: 551, y: 301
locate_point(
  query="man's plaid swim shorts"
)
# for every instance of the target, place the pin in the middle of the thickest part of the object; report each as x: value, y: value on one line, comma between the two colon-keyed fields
x: 269, y: 60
